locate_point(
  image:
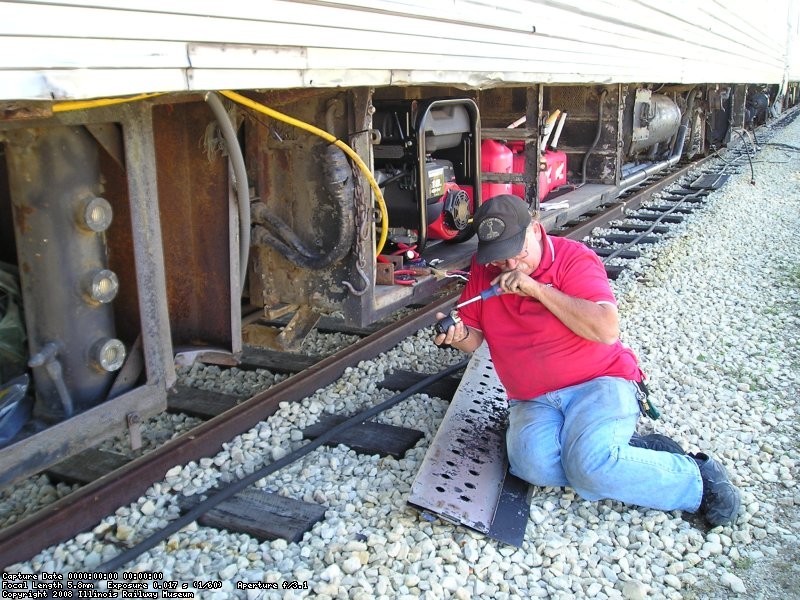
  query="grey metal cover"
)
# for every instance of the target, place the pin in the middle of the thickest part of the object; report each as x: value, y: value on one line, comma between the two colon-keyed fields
x: 710, y: 181
x: 461, y: 477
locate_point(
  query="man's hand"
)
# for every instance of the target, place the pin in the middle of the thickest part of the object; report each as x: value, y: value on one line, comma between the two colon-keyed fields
x: 454, y: 332
x: 516, y: 282
x: 458, y: 336
x: 590, y: 320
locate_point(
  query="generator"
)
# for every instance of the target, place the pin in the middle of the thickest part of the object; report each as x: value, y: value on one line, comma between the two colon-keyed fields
x: 427, y: 163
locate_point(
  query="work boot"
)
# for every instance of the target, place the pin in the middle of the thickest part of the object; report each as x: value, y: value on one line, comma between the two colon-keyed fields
x: 721, y: 502
x: 656, y: 441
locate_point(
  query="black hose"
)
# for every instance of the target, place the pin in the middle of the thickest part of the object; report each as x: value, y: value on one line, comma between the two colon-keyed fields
x: 339, y: 183
x: 749, y: 158
x: 680, y: 139
x: 596, y: 137
x: 392, y: 179
x: 237, y: 486
x: 337, y: 213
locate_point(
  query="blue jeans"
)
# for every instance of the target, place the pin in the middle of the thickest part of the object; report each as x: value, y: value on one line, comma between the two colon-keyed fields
x: 578, y: 437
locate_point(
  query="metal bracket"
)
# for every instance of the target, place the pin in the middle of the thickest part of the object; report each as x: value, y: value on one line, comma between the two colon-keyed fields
x: 384, y: 274
x: 384, y: 271
x: 134, y: 430
x: 641, y: 111
x: 296, y: 330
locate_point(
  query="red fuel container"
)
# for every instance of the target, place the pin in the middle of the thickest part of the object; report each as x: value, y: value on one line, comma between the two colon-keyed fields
x: 554, y: 174
x: 496, y: 157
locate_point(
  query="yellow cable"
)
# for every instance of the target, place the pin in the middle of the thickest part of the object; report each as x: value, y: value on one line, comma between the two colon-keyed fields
x: 327, y: 136
x: 84, y: 104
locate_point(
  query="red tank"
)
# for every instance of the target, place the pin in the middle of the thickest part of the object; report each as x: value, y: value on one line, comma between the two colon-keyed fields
x: 552, y: 176
x: 496, y: 157
x: 518, y: 164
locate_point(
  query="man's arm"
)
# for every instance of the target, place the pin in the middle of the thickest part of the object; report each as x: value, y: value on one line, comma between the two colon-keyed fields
x: 588, y: 319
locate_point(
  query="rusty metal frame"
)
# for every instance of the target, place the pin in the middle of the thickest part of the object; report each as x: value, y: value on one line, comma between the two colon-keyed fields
x: 47, y: 447
x: 137, y: 123
x: 55, y: 443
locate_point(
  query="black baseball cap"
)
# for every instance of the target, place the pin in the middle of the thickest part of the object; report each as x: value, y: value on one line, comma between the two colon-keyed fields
x: 501, y: 223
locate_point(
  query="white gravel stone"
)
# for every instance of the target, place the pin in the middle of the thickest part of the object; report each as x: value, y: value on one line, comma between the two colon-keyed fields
x: 733, y: 582
x: 634, y: 590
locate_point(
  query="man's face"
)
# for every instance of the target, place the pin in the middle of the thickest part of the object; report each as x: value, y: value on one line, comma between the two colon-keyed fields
x: 529, y: 257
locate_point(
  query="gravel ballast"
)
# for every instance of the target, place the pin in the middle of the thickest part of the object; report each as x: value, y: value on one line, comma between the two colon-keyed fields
x: 713, y: 317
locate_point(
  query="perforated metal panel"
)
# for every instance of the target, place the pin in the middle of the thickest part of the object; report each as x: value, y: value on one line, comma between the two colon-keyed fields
x: 461, y: 478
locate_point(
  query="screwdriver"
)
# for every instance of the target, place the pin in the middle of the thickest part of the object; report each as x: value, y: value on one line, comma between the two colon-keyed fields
x: 443, y: 325
x: 495, y: 290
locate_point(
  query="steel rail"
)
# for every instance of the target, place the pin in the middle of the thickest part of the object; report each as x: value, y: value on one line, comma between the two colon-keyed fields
x: 618, y: 209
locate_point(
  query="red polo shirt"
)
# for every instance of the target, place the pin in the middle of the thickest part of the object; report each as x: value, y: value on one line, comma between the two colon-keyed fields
x: 532, y: 351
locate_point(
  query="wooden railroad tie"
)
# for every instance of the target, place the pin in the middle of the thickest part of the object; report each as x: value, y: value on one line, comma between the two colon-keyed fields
x: 261, y: 514
x: 367, y: 438
x: 86, y: 466
x: 401, y: 380
x: 203, y: 404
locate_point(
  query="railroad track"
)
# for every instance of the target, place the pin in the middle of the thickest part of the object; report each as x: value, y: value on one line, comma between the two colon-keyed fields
x: 83, y: 508
x: 637, y: 217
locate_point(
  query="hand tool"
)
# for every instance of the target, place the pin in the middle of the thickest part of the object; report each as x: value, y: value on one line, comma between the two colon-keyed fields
x: 444, y: 324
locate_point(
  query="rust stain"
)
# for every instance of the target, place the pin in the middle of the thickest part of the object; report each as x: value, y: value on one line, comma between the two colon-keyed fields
x: 284, y: 97
x: 193, y: 206
x: 21, y: 214
x: 18, y: 111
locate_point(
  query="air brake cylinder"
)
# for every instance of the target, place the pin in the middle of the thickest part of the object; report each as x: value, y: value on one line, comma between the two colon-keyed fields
x: 60, y: 220
x: 656, y: 119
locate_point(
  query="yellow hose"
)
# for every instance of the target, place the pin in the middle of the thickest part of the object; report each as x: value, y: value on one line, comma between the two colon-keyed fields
x: 84, y: 104
x: 333, y: 140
